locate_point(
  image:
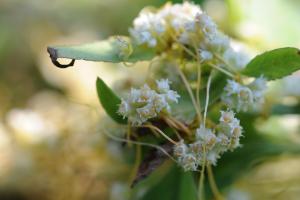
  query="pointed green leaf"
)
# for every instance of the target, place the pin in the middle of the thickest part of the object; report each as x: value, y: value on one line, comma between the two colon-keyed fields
x: 110, y: 101
x: 274, y: 64
x: 114, y: 49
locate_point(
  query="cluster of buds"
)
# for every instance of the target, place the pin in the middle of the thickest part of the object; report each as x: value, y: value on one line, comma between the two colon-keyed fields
x: 208, y: 146
x: 154, y: 27
x: 187, y: 25
x: 244, y: 97
x: 146, y: 103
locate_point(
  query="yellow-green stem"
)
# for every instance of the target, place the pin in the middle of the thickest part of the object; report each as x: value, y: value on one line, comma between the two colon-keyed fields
x: 138, y: 157
x: 139, y: 143
x: 160, y: 132
x: 213, y: 184
x: 201, y: 193
x: 189, y: 89
x: 207, y: 97
x: 198, y: 78
x: 222, y: 70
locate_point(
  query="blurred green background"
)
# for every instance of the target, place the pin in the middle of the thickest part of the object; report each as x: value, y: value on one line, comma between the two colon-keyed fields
x: 49, y: 144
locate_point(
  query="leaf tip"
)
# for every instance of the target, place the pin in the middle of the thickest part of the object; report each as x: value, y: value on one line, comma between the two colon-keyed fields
x: 53, y: 55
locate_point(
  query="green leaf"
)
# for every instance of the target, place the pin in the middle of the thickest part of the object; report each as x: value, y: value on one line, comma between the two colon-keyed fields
x: 110, y: 50
x: 274, y: 64
x: 109, y: 101
x: 175, y: 185
x: 187, y: 189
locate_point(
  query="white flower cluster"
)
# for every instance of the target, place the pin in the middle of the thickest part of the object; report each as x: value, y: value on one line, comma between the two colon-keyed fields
x: 210, y: 146
x: 149, y: 26
x: 244, y: 97
x: 146, y: 103
x: 189, y: 26
x: 212, y: 43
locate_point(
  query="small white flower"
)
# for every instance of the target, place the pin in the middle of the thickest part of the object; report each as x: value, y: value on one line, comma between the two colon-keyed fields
x: 205, y: 55
x: 222, y: 143
x: 189, y: 162
x: 259, y: 87
x: 172, y: 96
x: 197, y: 148
x: 218, y: 42
x: 180, y: 149
x: 146, y: 27
x: 238, y: 96
x: 163, y: 88
x: 259, y: 84
x: 207, y: 25
x: 186, y: 158
x: 163, y: 85
x: 124, y: 108
x: 149, y: 26
x: 236, y: 59
x: 212, y: 157
x: 227, y: 116
x: 206, y: 136
x: 230, y: 128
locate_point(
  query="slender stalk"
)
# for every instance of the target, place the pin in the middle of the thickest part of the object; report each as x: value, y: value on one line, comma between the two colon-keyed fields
x: 188, y: 51
x: 211, y: 179
x: 191, y: 53
x: 207, y: 98
x: 138, y: 157
x: 189, y: 89
x: 139, y: 143
x: 201, y: 180
x: 221, y: 70
x: 159, y: 131
x: 227, y: 64
x: 213, y: 184
x: 201, y: 193
x: 174, y: 126
x: 198, y: 85
x: 177, y: 124
x: 198, y: 76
